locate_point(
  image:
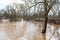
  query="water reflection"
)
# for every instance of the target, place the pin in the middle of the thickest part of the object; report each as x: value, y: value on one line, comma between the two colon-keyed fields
x: 28, y: 30
x: 53, y: 32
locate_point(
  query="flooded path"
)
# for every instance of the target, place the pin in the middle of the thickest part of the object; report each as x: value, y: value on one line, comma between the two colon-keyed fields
x: 28, y: 30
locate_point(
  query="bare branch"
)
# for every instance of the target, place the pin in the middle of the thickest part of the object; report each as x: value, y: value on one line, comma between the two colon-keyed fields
x: 51, y: 5
x: 35, y: 4
x: 27, y: 1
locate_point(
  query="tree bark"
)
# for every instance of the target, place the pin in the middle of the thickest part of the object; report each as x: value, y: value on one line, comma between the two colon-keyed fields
x: 46, y: 17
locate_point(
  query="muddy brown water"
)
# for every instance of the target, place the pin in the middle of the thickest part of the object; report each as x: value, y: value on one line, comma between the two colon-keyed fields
x: 28, y: 30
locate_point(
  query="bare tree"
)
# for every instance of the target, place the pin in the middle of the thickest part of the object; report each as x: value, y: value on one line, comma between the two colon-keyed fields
x: 48, y: 6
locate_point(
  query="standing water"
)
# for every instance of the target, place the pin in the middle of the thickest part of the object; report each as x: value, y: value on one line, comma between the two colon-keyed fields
x: 28, y: 30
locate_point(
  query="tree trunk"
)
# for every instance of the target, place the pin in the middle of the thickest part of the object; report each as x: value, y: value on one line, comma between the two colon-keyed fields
x: 46, y: 17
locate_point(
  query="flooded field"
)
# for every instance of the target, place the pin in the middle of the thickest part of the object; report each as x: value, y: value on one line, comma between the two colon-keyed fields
x: 28, y: 30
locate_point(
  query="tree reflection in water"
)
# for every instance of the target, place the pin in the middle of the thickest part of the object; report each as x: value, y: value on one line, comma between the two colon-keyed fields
x: 28, y: 30
x: 53, y: 32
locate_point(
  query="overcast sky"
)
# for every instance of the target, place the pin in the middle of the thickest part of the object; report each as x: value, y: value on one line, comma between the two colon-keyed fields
x: 3, y: 3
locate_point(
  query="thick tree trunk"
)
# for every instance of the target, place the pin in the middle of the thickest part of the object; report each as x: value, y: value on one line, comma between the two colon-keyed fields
x: 46, y: 17
x: 45, y: 26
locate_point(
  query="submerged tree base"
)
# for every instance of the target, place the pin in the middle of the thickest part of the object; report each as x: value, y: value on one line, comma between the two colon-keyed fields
x: 43, y: 32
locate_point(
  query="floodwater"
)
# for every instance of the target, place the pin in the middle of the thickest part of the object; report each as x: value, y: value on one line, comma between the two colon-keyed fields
x: 28, y: 30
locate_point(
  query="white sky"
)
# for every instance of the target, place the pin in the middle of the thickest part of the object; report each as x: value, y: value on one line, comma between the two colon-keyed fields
x: 3, y: 3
